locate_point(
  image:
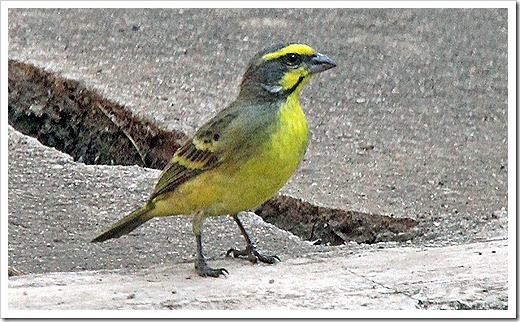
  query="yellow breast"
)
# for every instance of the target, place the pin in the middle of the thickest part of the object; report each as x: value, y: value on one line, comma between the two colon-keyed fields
x: 267, y: 172
x: 231, y: 188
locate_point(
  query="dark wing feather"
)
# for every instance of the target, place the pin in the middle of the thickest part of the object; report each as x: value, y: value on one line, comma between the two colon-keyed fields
x: 195, y: 156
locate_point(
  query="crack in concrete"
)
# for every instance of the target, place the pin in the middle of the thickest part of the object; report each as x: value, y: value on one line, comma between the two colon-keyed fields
x: 66, y: 115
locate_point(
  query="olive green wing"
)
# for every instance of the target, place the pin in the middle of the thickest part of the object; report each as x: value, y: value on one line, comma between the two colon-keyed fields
x: 202, y: 153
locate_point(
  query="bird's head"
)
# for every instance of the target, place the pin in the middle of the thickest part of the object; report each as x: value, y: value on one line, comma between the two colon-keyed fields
x: 283, y: 70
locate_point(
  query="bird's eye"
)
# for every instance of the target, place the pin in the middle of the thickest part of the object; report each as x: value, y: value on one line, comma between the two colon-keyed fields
x: 292, y: 59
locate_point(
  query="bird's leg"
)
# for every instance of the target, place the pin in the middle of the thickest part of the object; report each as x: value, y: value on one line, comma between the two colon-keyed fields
x: 250, y: 253
x: 201, y: 266
x: 200, y: 263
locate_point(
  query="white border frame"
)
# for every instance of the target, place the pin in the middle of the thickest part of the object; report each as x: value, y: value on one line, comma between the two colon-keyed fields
x: 510, y: 313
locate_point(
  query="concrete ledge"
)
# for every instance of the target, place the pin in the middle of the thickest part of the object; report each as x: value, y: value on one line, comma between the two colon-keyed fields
x: 452, y: 277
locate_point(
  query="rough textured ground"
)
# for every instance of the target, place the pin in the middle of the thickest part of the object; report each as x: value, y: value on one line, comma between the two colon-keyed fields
x: 454, y: 277
x: 412, y: 123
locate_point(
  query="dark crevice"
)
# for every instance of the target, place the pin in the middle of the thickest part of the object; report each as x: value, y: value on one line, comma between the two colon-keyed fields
x: 64, y: 114
x: 335, y: 226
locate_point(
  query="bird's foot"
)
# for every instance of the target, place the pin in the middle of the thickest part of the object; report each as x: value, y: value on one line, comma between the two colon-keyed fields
x: 253, y: 255
x: 204, y: 270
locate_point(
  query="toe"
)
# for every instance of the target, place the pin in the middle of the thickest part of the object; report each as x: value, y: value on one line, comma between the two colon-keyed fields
x: 268, y: 259
x: 215, y: 272
x: 212, y: 272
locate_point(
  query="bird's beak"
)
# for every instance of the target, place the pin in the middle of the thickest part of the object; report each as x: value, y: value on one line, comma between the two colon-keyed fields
x: 320, y: 63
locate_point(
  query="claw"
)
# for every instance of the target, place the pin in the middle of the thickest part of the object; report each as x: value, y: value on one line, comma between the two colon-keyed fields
x: 204, y: 270
x: 252, y: 255
x: 213, y: 272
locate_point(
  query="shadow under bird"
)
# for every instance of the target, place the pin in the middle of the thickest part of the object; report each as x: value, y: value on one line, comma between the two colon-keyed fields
x: 242, y: 156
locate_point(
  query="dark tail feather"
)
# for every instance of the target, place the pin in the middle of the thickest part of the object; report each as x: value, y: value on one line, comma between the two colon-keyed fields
x: 126, y: 225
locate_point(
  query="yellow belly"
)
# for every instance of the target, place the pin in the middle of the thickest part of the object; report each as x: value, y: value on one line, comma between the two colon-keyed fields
x: 229, y: 189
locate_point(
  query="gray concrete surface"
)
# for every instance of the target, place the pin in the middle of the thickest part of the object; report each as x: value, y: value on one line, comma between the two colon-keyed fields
x: 426, y: 88
x: 412, y: 122
x: 454, y: 277
x: 67, y: 202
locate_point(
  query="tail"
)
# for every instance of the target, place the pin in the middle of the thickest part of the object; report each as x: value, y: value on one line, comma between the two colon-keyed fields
x: 127, y: 224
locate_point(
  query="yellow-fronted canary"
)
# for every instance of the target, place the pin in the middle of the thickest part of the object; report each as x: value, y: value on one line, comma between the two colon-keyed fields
x: 242, y: 156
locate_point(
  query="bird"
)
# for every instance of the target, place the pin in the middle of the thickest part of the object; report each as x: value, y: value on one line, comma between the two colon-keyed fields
x: 241, y: 157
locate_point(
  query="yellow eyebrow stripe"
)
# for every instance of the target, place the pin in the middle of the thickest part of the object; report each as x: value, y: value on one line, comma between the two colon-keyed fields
x: 293, y: 48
